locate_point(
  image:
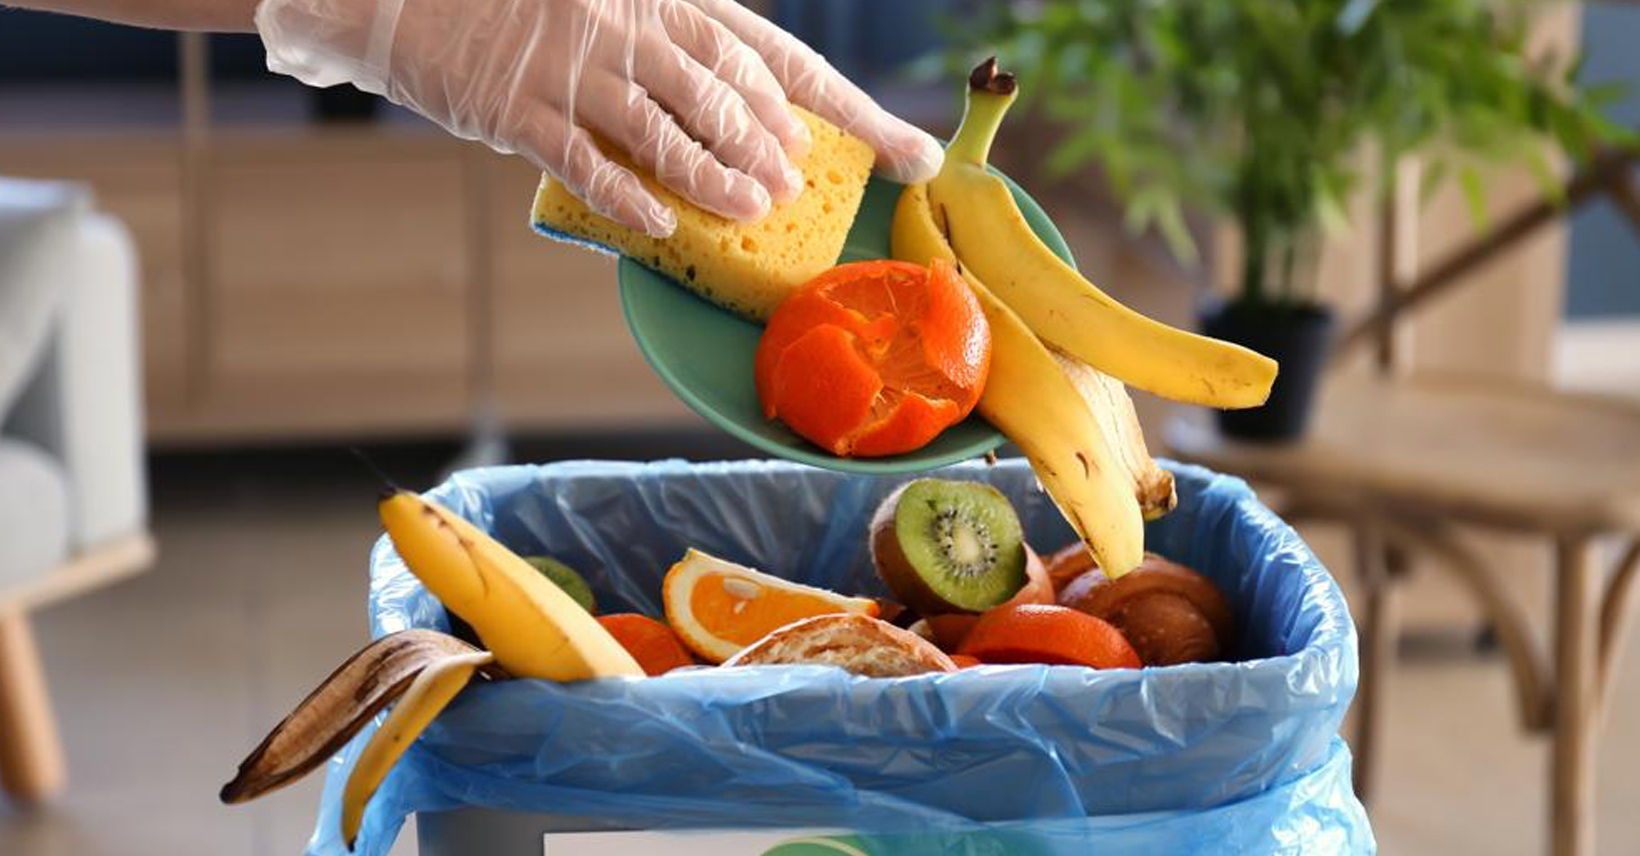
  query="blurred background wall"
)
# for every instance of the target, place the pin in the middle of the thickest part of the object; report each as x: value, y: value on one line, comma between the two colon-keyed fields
x: 322, y: 266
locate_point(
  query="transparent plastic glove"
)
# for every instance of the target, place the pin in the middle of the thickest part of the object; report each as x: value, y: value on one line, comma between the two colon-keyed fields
x: 660, y: 79
x: 904, y: 153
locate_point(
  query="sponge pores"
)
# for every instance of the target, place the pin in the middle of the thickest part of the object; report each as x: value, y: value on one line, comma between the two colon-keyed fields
x: 744, y: 267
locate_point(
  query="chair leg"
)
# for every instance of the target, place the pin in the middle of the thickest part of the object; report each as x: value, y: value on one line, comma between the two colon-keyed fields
x: 31, y: 757
x: 1571, y: 812
x: 1379, y: 631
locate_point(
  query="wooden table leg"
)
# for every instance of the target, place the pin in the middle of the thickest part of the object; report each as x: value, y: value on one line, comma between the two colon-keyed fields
x: 1571, y: 795
x: 31, y: 758
x: 1379, y: 629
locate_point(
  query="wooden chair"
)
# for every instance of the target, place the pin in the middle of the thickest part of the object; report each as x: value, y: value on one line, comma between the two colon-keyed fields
x: 73, y: 509
x: 1405, y: 462
x: 32, y: 768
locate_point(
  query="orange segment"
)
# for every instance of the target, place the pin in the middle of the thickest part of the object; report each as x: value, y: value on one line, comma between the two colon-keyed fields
x: 874, y: 358
x: 951, y: 629
x: 717, y: 608
x: 653, y: 644
x: 912, y: 420
x: 958, y: 349
x: 1054, y: 635
x: 799, y: 314
x: 824, y: 388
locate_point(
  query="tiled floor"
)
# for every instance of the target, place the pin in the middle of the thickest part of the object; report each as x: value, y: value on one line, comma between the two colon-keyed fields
x: 164, y: 682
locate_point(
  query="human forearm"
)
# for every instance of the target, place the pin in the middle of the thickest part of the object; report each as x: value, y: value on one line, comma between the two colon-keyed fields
x: 227, y: 16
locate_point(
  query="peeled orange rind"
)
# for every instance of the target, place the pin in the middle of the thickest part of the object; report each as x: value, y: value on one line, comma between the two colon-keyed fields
x: 874, y: 358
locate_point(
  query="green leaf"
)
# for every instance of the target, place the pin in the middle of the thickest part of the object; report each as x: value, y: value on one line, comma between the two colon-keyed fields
x: 1075, y: 151
x: 1170, y: 220
x: 1605, y: 93
x: 1143, y: 208
x: 1330, y: 211
x: 1537, y: 162
x: 1434, y: 173
x: 1474, y: 194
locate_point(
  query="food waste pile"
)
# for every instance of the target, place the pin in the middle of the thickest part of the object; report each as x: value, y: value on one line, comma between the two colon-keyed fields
x: 968, y: 591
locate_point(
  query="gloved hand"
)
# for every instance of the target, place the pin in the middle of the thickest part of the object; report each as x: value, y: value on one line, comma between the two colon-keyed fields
x: 694, y: 90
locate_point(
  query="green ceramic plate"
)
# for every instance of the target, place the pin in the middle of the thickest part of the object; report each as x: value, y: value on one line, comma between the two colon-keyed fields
x: 705, y: 353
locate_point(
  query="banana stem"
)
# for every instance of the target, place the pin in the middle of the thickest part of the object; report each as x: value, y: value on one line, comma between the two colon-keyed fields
x: 990, y: 94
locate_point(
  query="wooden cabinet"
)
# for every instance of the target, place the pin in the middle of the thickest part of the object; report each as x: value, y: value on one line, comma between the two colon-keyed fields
x: 351, y: 283
x: 563, y: 354
x: 337, y: 281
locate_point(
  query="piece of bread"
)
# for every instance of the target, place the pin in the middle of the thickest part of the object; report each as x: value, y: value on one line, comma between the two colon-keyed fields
x: 744, y: 267
x: 859, y: 643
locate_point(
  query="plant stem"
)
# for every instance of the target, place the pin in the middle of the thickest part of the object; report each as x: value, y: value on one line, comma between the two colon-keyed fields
x: 1255, y: 250
x: 1252, y: 267
x: 1288, y: 258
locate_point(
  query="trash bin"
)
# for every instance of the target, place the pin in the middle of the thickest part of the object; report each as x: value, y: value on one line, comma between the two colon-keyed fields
x: 1240, y: 756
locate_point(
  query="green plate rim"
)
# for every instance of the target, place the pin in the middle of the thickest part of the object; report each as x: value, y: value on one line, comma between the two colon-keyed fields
x: 890, y: 465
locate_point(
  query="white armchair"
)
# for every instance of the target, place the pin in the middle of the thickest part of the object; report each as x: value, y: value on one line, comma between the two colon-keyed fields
x: 72, y: 493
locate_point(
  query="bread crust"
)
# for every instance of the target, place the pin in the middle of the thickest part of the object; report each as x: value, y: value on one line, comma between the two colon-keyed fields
x: 858, y: 643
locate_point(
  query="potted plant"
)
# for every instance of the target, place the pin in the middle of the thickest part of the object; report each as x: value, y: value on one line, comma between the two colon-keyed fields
x: 1270, y: 113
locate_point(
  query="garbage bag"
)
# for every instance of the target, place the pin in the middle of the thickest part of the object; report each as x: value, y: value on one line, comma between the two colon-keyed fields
x: 1243, y: 751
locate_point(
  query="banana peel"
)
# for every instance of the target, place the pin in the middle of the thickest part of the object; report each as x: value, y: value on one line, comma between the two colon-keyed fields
x: 1067, y: 436
x: 532, y: 626
x: 992, y: 238
x: 418, y: 672
x: 533, y: 630
x: 432, y: 690
x: 341, y: 705
x: 1112, y: 407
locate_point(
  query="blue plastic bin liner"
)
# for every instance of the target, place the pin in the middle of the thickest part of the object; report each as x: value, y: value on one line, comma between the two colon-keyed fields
x: 1071, y: 758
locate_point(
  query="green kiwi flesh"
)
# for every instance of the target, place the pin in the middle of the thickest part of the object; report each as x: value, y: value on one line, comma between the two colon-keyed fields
x: 949, y: 546
x: 566, y: 578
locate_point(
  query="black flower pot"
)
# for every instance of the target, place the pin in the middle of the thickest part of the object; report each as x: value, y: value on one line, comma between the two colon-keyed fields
x: 1296, y: 336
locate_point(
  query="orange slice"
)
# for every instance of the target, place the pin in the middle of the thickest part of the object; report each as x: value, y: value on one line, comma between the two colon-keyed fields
x: 718, y: 607
x: 1053, y: 635
x: 653, y: 644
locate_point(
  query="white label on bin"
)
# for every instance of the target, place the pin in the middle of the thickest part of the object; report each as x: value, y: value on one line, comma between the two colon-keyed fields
x: 710, y: 842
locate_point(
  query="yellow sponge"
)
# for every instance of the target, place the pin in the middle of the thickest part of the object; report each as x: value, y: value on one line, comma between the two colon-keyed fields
x: 745, y: 267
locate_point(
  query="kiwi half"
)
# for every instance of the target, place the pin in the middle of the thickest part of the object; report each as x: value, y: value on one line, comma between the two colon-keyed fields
x: 557, y: 573
x: 566, y: 578
x: 948, y: 546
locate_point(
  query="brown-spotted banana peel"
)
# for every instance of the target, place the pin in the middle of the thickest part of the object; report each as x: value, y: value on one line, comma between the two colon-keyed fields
x: 324, y: 721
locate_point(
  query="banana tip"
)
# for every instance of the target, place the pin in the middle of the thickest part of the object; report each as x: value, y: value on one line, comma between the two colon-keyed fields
x: 987, y: 78
x: 386, y: 488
